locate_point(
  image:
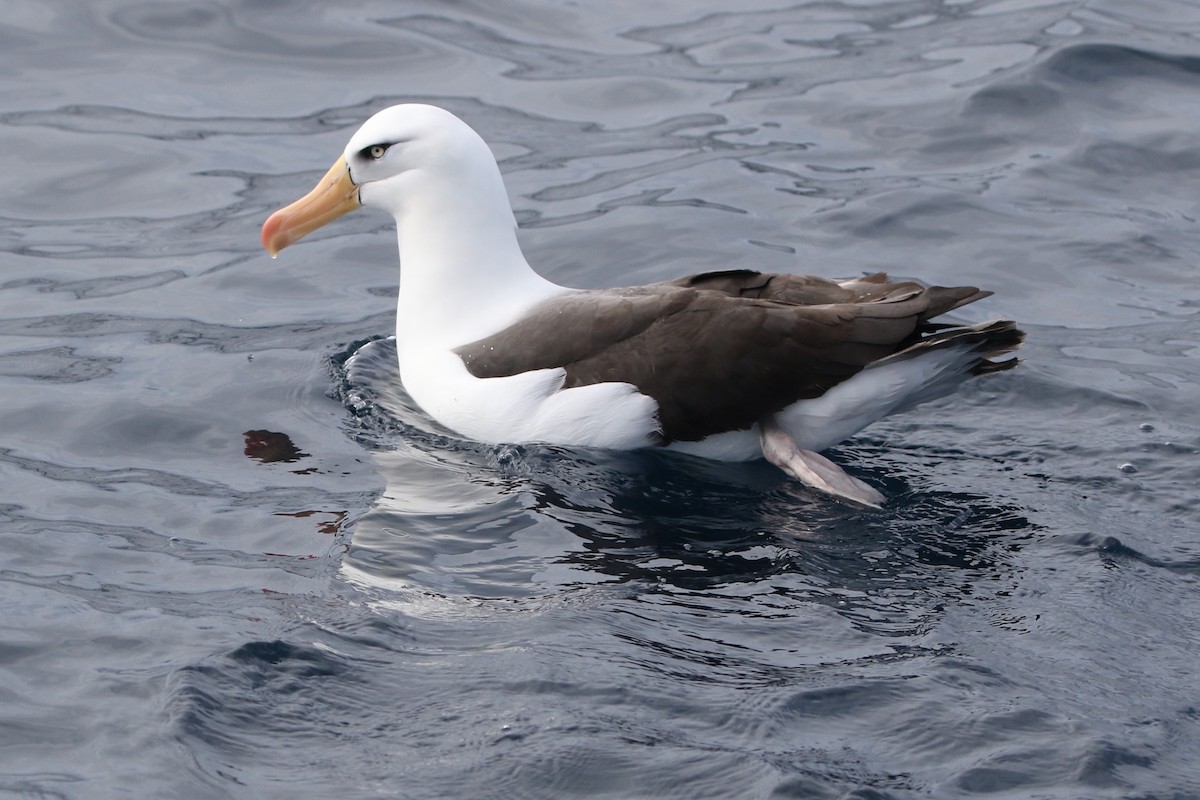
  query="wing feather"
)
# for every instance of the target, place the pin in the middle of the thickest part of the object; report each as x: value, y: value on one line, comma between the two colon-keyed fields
x: 720, y: 350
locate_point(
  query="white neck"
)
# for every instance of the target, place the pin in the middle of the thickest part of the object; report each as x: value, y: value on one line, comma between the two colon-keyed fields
x: 462, y: 273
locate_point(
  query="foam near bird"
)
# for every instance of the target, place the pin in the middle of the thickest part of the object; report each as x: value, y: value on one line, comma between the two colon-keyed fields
x: 732, y: 365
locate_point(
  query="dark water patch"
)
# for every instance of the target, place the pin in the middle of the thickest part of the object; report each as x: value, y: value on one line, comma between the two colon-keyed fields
x: 1043, y: 109
x: 260, y: 690
x: 1014, y: 100
x: 527, y: 700
x: 1114, y: 552
x: 1139, y: 248
x: 35, y: 785
x: 265, y: 662
x: 1102, y: 763
x: 1099, y: 63
x: 1161, y: 155
x: 57, y: 365
x: 930, y: 218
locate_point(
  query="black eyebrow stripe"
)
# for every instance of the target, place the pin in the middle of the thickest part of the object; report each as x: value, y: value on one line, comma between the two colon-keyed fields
x: 365, y: 151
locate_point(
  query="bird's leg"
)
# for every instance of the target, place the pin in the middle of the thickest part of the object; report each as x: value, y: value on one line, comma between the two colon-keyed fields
x: 812, y: 469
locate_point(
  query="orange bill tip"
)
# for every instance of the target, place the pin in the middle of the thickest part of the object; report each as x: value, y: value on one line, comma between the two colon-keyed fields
x: 333, y: 196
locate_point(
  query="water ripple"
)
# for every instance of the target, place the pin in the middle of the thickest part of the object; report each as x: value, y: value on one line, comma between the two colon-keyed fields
x: 238, y: 561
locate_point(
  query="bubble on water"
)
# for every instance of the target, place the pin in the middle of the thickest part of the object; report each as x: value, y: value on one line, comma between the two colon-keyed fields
x: 1128, y: 468
x: 1145, y: 426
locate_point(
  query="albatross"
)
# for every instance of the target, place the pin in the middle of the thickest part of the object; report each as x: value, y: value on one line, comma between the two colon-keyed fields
x: 733, y: 365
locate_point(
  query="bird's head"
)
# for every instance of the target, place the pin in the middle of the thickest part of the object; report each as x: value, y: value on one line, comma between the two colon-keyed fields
x: 391, y: 150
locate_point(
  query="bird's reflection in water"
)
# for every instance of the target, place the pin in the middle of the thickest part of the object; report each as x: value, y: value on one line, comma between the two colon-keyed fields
x: 527, y: 522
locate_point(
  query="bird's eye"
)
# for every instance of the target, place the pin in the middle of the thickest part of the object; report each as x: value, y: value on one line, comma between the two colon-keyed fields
x: 375, y: 152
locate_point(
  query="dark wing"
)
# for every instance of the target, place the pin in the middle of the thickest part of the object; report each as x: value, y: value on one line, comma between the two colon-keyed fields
x: 718, y: 351
x: 809, y: 290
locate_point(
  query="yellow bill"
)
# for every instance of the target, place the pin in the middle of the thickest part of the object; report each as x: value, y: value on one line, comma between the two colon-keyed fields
x: 332, y: 197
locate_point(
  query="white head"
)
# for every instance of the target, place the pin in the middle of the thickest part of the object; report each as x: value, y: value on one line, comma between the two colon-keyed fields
x: 404, y: 157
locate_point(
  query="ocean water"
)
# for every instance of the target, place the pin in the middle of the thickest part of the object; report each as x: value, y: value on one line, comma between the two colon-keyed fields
x: 237, y: 562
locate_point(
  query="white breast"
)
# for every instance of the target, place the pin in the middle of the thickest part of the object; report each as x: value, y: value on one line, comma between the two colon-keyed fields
x: 529, y: 407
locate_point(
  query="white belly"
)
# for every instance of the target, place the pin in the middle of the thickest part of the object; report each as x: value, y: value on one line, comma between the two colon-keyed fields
x: 530, y: 407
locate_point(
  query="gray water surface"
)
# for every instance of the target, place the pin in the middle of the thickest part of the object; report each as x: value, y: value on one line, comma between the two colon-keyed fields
x: 237, y: 562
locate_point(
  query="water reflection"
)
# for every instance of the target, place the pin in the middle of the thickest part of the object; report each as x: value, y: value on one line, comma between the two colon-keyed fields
x: 535, y: 622
x: 475, y: 522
